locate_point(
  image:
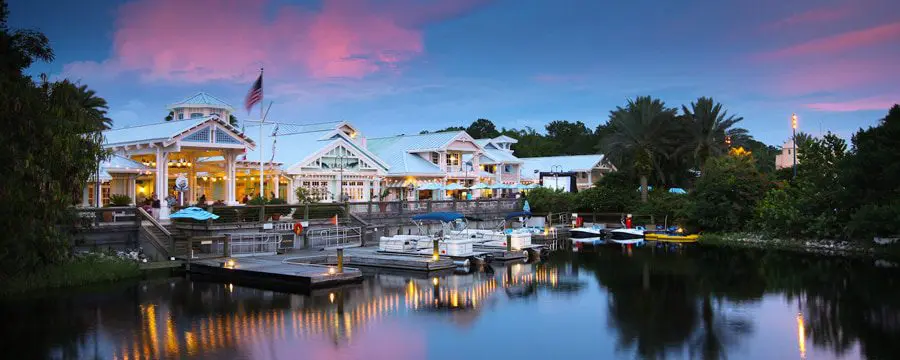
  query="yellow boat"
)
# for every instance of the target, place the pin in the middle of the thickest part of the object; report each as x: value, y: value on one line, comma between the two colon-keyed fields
x: 672, y: 238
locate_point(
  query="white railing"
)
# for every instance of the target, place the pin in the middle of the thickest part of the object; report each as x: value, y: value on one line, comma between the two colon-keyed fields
x: 332, y: 238
x: 252, y: 244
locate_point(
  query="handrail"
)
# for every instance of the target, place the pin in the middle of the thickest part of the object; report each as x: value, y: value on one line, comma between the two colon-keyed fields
x: 153, y: 221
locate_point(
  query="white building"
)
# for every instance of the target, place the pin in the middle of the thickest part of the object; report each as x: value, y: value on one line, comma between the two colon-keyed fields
x: 786, y: 158
x: 334, y: 161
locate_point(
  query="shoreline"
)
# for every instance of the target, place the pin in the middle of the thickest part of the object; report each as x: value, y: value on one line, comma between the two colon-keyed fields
x: 819, y: 247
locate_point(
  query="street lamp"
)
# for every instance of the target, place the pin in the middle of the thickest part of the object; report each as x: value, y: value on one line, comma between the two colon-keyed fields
x: 794, y: 140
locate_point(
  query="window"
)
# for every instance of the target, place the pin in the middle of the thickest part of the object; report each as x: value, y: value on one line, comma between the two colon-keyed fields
x: 453, y: 159
x: 196, y: 115
x: 507, y: 168
x: 435, y: 158
x: 180, y: 116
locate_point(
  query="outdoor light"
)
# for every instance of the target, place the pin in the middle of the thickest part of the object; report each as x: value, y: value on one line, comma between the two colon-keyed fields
x: 794, y: 121
x: 171, y: 258
x: 331, y: 297
x: 331, y: 270
x: 229, y: 264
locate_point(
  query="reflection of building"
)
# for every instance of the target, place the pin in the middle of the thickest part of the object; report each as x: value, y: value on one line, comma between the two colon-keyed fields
x: 233, y: 317
x: 786, y: 158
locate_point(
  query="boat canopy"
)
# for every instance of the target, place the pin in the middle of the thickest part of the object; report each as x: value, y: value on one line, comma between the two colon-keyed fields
x: 439, y: 216
x: 516, y: 214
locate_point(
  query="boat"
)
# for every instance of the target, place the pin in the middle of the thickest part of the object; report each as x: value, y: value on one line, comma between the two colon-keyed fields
x: 518, y: 239
x: 664, y: 237
x: 595, y: 231
x: 454, y: 246
x: 627, y: 236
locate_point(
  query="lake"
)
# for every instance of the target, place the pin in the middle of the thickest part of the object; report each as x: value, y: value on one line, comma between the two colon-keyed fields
x: 696, y: 303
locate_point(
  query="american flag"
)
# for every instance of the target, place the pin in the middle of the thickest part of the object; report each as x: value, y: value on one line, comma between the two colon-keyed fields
x: 255, y: 94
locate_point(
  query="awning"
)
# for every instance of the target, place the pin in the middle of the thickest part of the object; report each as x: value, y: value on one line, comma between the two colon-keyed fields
x: 478, y: 186
x: 438, y: 216
x: 454, y: 186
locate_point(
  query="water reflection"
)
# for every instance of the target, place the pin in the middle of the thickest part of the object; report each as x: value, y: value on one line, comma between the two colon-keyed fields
x: 691, y: 304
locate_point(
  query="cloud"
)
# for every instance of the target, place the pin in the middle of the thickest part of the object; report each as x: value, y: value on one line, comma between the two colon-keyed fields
x: 227, y: 40
x: 838, y: 43
x: 815, y: 16
x: 835, y: 74
x: 874, y: 103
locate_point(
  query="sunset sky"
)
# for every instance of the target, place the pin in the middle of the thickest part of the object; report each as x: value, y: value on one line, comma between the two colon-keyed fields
x: 400, y: 66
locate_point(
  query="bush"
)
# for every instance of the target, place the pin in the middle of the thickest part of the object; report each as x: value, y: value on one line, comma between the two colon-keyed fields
x: 615, y: 192
x: 545, y: 200
x: 873, y: 220
x: 119, y: 200
x: 77, y: 271
x: 726, y: 194
x: 661, y: 204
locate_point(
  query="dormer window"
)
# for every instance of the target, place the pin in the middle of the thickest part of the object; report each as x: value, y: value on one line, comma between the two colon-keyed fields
x: 196, y: 115
x: 435, y: 158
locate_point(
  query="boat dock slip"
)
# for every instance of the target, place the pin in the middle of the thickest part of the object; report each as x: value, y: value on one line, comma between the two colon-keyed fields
x: 372, y: 257
x: 269, y: 271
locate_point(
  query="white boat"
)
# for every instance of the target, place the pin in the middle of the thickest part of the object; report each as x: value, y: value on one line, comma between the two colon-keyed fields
x: 518, y: 239
x: 627, y: 236
x: 405, y: 243
x: 595, y: 231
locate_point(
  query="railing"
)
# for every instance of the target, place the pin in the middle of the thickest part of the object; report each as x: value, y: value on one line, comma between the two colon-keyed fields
x: 252, y: 244
x: 331, y: 238
x: 164, y: 246
x: 87, y: 218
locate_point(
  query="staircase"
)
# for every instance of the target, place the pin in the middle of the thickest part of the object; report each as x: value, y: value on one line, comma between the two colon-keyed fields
x: 156, y: 235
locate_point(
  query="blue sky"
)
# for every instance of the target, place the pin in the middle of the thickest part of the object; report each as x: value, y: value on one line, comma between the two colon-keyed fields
x: 401, y: 66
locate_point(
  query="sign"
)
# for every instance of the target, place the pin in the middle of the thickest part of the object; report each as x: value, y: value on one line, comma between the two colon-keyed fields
x: 298, y: 228
x: 181, y: 183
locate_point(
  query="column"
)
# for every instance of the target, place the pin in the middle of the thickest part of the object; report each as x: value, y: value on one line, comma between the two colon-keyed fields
x: 131, y: 189
x: 291, y: 197
x: 376, y: 184
x: 230, y: 181
x: 162, y: 181
x: 276, y: 184
x: 84, y: 196
x: 192, y: 181
x: 590, y: 181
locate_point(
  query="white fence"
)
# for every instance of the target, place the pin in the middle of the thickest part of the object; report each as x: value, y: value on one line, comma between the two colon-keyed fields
x: 332, y: 238
x: 252, y: 244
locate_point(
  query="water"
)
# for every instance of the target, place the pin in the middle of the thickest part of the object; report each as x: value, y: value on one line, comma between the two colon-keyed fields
x: 701, y: 303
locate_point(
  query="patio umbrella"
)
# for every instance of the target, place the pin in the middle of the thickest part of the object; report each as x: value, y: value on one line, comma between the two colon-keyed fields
x: 454, y: 186
x: 430, y: 186
x: 526, y: 207
x: 533, y: 186
x: 193, y: 213
x: 677, y: 191
x: 519, y: 186
x: 478, y: 186
x: 499, y: 186
x: 649, y: 188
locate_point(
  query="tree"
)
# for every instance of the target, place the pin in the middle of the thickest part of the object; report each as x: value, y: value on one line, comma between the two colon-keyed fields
x: 637, y: 134
x: 232, y: 120
x: 52, y: 144
x: 709, y: 125
x: 726, y: 193
x: 570, y: 138
x: 482, y: 129
x: 170, y: 116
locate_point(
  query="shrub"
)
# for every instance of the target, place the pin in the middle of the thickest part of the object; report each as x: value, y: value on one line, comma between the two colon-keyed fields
x: 726, y: 194
x: 550, y: 201
x: 119, y: 200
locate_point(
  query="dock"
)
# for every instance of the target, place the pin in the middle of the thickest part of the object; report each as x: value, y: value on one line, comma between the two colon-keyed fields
x: 269, y: 271
x: 370, y: 256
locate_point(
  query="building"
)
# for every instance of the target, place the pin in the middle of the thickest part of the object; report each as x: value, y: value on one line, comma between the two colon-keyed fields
x: 786, y: 158
x: 587, y: 169
x: 333, y: 161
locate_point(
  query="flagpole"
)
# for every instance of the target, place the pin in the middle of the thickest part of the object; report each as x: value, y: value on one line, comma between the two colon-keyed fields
x: 262, y: 140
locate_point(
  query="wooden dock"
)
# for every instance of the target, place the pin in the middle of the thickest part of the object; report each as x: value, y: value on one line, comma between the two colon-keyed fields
x: 369, y: 256
x: 269, y: 272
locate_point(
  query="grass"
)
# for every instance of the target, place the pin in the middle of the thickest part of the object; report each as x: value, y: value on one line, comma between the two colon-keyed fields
x: 751, y: 240
x: 82, y: 270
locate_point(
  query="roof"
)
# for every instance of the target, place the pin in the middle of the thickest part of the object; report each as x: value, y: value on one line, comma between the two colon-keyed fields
x: 202, y: 99
x: 566, y: 163
x: 117, y: 164
x: 397, y: 151
x: 163, y: 131
x: 297, y: 142
x: 505, y: 139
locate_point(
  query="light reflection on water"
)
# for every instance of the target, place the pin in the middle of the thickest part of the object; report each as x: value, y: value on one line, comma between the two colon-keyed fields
x: 594, y: 304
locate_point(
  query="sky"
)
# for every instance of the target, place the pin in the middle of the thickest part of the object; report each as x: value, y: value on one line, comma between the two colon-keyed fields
x: 401, y: 66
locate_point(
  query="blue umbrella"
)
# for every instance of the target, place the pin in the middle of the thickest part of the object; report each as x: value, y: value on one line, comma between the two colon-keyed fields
x: 193, y: 213
x: 526, y: 207
x: 677, y: 191
x: 455, y: 186
x: 649, y: 188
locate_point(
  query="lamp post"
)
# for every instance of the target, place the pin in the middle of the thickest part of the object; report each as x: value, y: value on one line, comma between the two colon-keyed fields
x: 794, y: 141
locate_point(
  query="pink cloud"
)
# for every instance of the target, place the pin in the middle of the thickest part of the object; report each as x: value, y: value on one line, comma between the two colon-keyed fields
x: 839, y: 43
x: 874, y: 103
x: 206, y: 40
x: 834, y: 75
x: 820, y: 15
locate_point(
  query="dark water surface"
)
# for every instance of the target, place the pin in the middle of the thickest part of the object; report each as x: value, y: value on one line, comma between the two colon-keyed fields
x: 702, y: 303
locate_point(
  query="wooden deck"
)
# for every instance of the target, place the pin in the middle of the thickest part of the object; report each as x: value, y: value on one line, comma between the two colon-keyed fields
x: 369, y: 256
x: 268, y: 271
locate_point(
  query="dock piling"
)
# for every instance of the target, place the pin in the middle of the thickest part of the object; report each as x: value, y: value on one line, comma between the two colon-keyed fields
x: 340, y: 260
x: 436, y: 253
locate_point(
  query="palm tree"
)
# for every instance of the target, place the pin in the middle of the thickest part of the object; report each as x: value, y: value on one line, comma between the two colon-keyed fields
x: 232, y: 120
x: 637, y: 133
x: 170, y: 116
x: 709, y: 125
